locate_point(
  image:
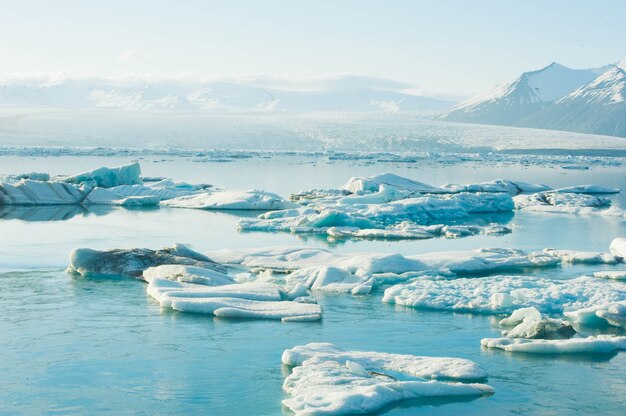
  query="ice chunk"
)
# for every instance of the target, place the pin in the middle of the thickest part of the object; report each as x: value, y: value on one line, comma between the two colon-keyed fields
x: 132, y: 262
x: 554, y: 199
x: 30, y: 192
x: 331, y: 279
x: 498, y: 185
x: 601, y: 344
x: 615, y: 274
x: 103, y: 196
x: 582, y: 257
x: 109, y: 177
x: 503, y: 294
x: 461, y: 262
x: 418, y: 366
x: 338, y: 385
x: 396, y: 219
x: 188, y: 274
x: 385, y: 194
x: 618, y: 248
x: 244, y: 300
x: 588, y: 189
x: 231, y: 200
x: 373, y: 183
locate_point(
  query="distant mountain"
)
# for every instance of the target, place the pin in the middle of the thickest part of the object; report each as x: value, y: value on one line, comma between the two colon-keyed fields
x: 555, y: 97
x: 528, y: 94
x: 598, y: 107
x: 340, y: 93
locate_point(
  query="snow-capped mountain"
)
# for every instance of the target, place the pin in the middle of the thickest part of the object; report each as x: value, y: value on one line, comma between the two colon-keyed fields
x: 340, y: 93
x: 555, y: 97
x: 598, y: 107
x: 529, y: 93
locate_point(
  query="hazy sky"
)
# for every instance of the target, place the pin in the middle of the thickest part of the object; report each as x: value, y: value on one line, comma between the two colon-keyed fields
x: 443, y: 47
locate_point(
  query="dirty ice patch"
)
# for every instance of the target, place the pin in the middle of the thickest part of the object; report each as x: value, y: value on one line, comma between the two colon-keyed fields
x: 326, y: 380
x: 133, y: 262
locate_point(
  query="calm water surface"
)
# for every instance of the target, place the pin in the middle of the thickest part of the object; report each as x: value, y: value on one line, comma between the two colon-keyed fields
x: 102, y: 346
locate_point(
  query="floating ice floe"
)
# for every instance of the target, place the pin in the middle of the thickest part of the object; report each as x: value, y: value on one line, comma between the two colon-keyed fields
x: 359, y: 273
x: 132, y: 262
x: 258, y: 300
x: 504, y: 294
x: 498, y: 185
x: 328, y: 380
x: 231, y: 200
x: 611, y: 274
x: 187, y: 274
x: 601, y: 344
x: 530, y: 324
x: 588, y: 189
x: 569, y: 203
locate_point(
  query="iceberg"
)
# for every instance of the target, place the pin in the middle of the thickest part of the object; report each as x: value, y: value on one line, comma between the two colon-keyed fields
x: 588, y: 189
x: 329, y: 382
x: 31, y: 192
x: 504, y: 294
x: 602, y: 344
x: 259, y: 300
x: 499, y: 185
x: 103, y: 196
x: 418, y: 366
x: 582, y: 257
x: 376, y: 216
x: 231, y: 200
x: 331, y: 279
x: 373, y: 183
x: 109, y: 177
x: 132, y: 262
x: 187, y: 274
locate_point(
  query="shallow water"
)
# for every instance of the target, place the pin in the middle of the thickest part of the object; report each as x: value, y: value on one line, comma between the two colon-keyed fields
x: 102, y: 346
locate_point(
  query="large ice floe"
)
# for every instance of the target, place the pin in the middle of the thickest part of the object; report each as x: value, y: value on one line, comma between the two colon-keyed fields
x: 504, y: 294
x: 327, y: 380
x: 389, y: 206
x: 398, y: 208
x: 359, y: 273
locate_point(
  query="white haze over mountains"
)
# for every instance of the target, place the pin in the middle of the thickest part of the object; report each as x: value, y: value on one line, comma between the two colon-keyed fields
x: 342, y: 92
x: 555, y: 97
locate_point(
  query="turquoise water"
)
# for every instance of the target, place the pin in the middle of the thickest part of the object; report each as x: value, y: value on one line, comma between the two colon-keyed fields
x: 102, y: 346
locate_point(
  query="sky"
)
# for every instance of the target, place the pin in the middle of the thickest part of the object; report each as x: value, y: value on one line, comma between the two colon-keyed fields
x: 441, y: 48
